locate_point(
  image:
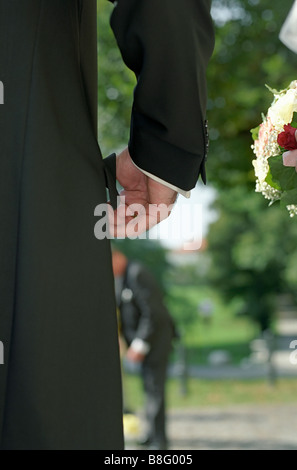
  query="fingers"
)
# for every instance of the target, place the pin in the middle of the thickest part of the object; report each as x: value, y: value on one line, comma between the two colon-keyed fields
x: 135, y: 356
x: 144, y: 202
x: 290, y: 158
x: 132, y: 221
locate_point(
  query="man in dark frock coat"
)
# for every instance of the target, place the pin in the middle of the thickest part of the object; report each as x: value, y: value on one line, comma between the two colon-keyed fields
x: 60, y: 383
x: 148, y: 331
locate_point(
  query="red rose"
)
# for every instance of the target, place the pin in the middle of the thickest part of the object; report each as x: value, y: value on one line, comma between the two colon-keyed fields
x: 287, y: 139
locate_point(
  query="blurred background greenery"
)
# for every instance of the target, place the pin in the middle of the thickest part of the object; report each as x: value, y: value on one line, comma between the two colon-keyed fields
x: 249, y: 257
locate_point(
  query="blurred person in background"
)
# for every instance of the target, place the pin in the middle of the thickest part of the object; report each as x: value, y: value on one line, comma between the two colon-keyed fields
x: 148, y: 330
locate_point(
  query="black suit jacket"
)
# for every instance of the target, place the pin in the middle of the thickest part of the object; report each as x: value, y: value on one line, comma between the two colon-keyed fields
x: 60, y: 386
x: 167, y: 43
x: 143, y: 313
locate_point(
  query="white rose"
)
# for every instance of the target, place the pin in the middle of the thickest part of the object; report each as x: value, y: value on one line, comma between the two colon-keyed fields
x: 281, y: 112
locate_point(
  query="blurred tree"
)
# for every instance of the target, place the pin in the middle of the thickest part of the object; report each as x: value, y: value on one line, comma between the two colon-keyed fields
x: 115, y: 87
x: 252, y: 246
x: 253, y: 249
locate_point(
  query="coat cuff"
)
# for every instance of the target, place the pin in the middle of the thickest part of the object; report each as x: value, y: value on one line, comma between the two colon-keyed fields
x: 166, y: 161
x: 186, y: 194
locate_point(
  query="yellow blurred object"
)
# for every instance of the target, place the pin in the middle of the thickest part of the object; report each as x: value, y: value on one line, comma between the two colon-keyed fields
x: 131, y: 425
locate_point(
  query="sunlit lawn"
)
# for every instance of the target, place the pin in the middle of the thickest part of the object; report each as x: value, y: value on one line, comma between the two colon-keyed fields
x: 225, y: 331
x: 215, y: 392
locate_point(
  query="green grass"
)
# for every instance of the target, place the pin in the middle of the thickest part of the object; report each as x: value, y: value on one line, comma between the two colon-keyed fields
x: 203, y: 393
x: 225, y: 331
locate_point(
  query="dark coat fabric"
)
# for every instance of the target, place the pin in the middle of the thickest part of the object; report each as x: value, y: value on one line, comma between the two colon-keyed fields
x: 60, y: 385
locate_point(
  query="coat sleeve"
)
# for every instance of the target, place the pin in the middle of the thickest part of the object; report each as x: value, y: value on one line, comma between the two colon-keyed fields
x: 147, y: 299
x: 167, y: 44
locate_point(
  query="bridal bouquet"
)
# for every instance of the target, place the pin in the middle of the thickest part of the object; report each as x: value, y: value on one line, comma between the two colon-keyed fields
x: 274, y: 136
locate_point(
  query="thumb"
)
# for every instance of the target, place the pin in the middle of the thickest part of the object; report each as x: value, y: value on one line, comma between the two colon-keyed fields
x: 290, y: 158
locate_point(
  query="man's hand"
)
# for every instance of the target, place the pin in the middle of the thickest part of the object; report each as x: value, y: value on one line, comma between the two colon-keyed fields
x: 135, y: 356
x: 144, y: 202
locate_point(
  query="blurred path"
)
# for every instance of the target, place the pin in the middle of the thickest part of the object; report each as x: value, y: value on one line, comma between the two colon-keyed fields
x: 244, y: 427
x: 240, y: 427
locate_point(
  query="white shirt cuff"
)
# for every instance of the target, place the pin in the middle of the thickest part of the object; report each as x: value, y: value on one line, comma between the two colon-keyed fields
x: 186, y: 194
x: 140, y: 346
